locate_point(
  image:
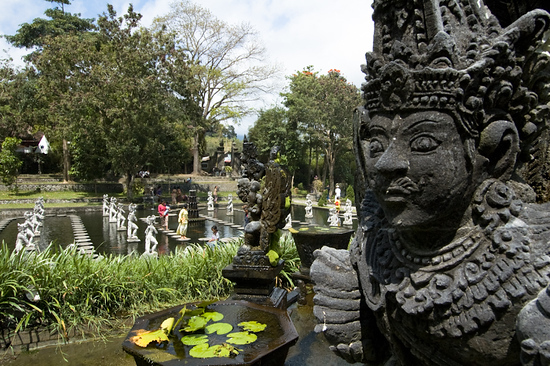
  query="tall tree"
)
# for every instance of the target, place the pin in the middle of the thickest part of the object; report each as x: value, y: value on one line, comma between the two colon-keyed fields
x: 322, y: 106
x: 228, y: 61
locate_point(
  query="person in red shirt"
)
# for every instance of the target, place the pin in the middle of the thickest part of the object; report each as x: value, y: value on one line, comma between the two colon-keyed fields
x: 163, y: 213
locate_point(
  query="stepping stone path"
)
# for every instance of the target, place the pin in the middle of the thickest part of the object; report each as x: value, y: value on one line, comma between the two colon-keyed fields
x: 82, y: 240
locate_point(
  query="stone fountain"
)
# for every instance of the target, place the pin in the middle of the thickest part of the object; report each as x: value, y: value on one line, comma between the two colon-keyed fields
x: 450, y: 264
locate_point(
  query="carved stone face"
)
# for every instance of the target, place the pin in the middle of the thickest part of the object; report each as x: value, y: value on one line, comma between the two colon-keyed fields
x: 418, y: 169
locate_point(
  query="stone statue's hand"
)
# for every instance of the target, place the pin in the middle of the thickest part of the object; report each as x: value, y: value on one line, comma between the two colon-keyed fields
x: 533, y: 330
x: 337, y: 305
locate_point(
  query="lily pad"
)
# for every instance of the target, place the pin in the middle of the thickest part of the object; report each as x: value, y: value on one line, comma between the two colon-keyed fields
x: 213, y: 315
x: 218, y: 350
x: 167, y: 325
x: 218, y: 328
x: 144, y: 337
x: 241, y: 338
x: 195, y: 323
x: 293, y: 231
x: 194, y: 339
x: 253, y: 326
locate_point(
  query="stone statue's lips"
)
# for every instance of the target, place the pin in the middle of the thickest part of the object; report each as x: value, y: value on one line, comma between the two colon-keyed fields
x: 401, y: 187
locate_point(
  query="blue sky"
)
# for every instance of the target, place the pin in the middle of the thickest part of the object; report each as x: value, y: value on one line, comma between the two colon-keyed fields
x: 296, y: 33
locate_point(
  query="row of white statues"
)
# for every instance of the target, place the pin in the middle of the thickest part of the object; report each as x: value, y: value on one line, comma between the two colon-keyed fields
x: 115, y: 212
x: 31, y: 227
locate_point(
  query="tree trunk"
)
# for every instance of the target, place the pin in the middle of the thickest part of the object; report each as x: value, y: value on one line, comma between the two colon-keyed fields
x: 66, y: 161
x: 129, y: 190
x: 196, y: 156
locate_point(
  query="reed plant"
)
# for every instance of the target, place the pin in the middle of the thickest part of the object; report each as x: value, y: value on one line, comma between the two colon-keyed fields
x: 78, y: 292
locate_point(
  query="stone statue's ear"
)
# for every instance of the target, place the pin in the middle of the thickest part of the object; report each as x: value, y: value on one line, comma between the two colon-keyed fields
x: 499, y: 143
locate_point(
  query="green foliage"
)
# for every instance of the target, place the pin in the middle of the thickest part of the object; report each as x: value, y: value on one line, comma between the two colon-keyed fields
x: 323, y: 199
x: 77, y: 290
x: 350, y: 194
x: 9, y: 162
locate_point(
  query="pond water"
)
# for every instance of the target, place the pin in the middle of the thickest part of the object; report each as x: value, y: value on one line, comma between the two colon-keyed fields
x: 107, y: 240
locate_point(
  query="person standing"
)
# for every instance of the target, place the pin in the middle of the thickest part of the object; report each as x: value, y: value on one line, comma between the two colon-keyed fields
x: 215, y: 194
x: 183, y: 220
x: 337, y: 193
x: 215, y: 236
x: 163, y: 213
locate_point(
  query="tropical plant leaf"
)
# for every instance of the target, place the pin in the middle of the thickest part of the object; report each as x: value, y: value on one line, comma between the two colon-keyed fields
x: 167, y: 325
x: 253, y: 326
x: 273, y: 257
x: 195, y: 323
x: 241, y: 338
x: 194, y: 339
x: 218, y: 328
x: 218, y: 350
x: 213, y: 315
x: 144, y: 337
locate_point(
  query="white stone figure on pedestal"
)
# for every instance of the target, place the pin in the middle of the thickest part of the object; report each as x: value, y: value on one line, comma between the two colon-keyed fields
x: 120, y: 218
x: 132, y: 226
x: 150, y: 237
x: 309, y: 207
x: 348, y: 213
x: 29, y: 229
x: 210, y: 201
x: 22, y: 239
x: 112, y: 210
x: 105, y: 205
x: 333, y: 218
x: 288, y: 222
x: 230, y: 205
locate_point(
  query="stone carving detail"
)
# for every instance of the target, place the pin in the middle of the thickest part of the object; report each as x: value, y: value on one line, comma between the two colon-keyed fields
x: 309, y: 207
x: 230, y: 211
x: 267, y: 207
x: 450, y: 263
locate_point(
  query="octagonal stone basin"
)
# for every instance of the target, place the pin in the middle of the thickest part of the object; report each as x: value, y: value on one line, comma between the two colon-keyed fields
x: 310, y: 238
x: 270, y: 349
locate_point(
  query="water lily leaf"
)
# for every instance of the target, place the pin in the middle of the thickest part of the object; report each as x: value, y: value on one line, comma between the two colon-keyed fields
x: 218, y: 328
x: 213, y: 315
x: 144, y: 337
x: 273, y: 257
x: 195, y: 323
x: 253, y: 326
x: 218, y: 350
x: 194, y: 339
x: 293, y: 231
x: 304, y: 229
x: 241, y: 338
x: 180, y: 319
x: 167, y: 325
x: 194, y: 312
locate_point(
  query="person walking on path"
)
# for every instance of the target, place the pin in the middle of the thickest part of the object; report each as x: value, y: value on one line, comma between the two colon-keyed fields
x: 163, y: 213
x: 183, y: 220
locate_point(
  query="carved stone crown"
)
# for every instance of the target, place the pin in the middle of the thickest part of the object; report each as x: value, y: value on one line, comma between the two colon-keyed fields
x: 453, y: 55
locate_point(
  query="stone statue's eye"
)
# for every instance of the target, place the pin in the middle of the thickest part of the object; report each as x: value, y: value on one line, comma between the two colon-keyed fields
x: 375, y: 147
x: 424, y: 144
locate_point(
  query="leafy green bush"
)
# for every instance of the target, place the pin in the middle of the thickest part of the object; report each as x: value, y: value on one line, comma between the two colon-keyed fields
x: 350, y: 193
x: 323, y: 199
x: 9, y: 162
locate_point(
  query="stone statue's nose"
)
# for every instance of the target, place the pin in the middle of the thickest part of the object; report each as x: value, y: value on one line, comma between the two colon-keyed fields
x: 393, y: 161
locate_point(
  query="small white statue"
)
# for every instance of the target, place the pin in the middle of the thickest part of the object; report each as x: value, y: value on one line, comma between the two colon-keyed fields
x: 210, y: 201
x: 333, y: 218
x: 112, y: 210
x: 22, y: 239
x: 27, y: 224
x: 230, y: 205
x: 288, y: 222
x: 348, y: 213
x: 105, y: 205
x: 132, y: 226
x: 150, y: 237
x: 121, y: 220
x: 309, y: 207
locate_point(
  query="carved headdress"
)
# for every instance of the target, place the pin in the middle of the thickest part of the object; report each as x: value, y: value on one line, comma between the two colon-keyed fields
x: 454, y: 56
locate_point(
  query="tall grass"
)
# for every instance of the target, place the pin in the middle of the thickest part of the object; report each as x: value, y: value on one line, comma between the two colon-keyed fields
x: 78, y: 291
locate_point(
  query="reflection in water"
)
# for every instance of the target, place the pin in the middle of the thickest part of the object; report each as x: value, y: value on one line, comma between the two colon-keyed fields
x: 108, y: 240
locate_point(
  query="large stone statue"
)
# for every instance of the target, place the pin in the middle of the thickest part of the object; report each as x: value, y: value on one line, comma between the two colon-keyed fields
x: 450, y: 263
